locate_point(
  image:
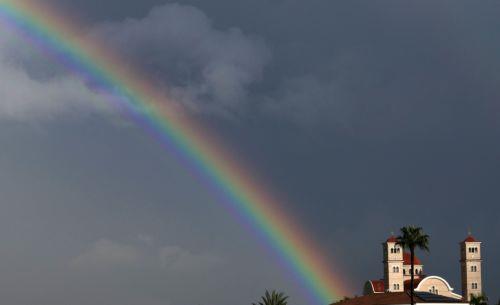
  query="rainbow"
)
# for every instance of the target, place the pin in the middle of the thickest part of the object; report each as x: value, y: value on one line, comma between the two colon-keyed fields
x: 192, y: 144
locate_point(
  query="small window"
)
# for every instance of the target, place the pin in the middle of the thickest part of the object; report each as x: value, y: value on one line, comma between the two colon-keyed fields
x: 404, y: 271
x: 433, y: 290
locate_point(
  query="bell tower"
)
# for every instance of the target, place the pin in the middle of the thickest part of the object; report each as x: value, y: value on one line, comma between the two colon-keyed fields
x: 393, y: 265
x: 470, y: 263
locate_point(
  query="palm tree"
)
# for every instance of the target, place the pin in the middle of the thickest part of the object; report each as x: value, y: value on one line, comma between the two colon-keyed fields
x: 413, y: 237
x: 273, y: 298
x: 480, y: 299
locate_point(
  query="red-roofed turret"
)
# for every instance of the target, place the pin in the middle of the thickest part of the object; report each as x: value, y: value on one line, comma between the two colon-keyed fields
x: 392, y: 239
x: 470, y: 239
x: 470, y: 263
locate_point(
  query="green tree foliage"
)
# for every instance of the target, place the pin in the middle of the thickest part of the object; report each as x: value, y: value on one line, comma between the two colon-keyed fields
x: 480, y: 299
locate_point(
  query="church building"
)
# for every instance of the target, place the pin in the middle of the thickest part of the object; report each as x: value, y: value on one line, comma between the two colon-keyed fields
x: 394, y: 287
x: 397, y: 272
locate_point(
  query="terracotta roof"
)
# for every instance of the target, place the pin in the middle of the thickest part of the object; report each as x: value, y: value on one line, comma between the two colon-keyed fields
x: 378, y: 285
x: 415, y: 284
x: 469, y: 239
x: 407, y: 259
x: 392, y: 239
x: 388, y: 298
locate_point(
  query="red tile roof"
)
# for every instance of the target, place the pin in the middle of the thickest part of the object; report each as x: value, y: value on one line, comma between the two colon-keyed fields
x: 469, y: 239
x: 392, y: 239
x: 407, y: 259
x: 415, y: 283
x: 378, y: 285
x: 378, y: 299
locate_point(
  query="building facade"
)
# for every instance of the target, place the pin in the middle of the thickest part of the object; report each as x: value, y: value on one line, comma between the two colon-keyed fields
x: 397, y: 272
x: 470, y: 263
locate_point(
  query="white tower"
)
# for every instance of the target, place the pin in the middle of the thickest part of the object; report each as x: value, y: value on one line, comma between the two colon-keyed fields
x: 393, y: 265
x: 470, y: 262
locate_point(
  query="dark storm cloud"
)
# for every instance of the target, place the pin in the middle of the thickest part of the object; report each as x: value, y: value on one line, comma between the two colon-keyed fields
x: 206, y: 68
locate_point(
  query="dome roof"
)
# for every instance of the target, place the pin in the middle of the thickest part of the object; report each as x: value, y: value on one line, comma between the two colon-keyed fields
x: 470, y: 239
x: 407, y: 259
x: 392, y: 239
x: 378, y: 286
x: 407, y: 283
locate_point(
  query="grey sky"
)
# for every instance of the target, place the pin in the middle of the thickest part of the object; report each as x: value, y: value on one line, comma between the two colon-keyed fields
x: 365, y: 116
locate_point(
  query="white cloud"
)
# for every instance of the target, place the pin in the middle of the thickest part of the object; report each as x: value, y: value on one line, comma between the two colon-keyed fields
x: 108, y: 253
x: 179, y: 259
x: 30, y: 90
x: 145, y: 239
x: 105, y: 253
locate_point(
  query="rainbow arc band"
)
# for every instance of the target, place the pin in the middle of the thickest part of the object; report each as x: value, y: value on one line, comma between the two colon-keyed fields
x: 202, y: 153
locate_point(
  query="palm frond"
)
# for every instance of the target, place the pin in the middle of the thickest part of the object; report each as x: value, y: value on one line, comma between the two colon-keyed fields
x: 273, y: 298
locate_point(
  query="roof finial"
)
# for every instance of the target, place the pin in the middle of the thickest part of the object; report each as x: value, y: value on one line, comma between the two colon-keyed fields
x: 392, y: 233
x: 469, y: 232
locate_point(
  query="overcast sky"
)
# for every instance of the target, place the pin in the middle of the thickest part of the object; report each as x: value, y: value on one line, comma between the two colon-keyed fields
x: 365, y: 116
